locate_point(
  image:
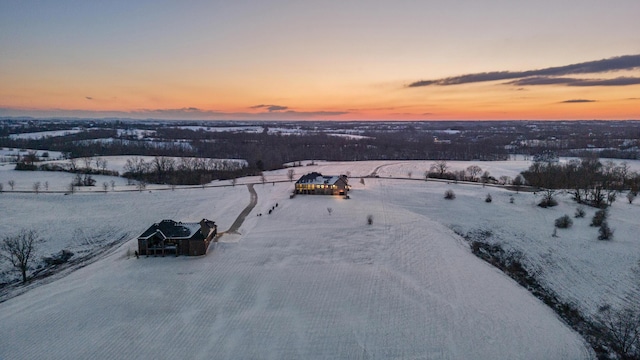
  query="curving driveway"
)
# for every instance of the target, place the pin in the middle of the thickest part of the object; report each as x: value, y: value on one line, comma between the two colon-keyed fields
x: 240, y: 219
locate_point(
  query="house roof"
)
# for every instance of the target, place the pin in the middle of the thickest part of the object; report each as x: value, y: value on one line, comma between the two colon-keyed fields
x: 318, y: 179
x: 169, y: 229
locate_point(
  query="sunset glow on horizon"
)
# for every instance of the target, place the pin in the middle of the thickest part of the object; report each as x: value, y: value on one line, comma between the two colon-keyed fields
x: 333, y: 60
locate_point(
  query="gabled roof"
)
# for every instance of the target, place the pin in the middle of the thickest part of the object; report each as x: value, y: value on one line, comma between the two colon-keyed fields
x: 318, y: 179
x: 169, y: 229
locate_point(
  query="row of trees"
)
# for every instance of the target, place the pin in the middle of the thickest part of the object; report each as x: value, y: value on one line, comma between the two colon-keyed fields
x: 588, y: 180
x: 474, y: 173
x: 184, y: 171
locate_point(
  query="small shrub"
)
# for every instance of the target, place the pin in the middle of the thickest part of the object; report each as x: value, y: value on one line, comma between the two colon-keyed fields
x: 564, y: 222
x: 548, y: 202
x: 599, y: 217
x: 631, y: 196
x: 512, y: 200
x: 488, y: 198
x: 370, y: 219
x: 449, y: 195
x: 580, y: 213
x: 605, y: 232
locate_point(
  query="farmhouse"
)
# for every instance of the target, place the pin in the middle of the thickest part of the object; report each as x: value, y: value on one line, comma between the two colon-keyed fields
x: 316, y: 183
x: 171, y: 237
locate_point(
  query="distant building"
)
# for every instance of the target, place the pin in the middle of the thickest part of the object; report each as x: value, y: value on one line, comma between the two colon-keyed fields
x: 317, y: 184
x: 178, y: 238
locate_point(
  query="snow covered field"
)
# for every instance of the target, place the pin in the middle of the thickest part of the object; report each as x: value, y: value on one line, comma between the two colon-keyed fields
x: 44, y: 134
x: 306, y: 283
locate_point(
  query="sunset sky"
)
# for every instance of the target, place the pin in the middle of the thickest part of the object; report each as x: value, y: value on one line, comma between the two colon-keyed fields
x: 321, y: 60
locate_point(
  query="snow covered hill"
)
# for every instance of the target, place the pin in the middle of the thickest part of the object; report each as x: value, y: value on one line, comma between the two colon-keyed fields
x: 299, y: 283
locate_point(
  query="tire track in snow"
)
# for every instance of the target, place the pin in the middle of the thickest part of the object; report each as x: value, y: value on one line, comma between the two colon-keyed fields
x: 374, y: 173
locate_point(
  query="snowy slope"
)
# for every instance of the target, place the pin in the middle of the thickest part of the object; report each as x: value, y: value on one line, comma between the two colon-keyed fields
x: 299, y: 283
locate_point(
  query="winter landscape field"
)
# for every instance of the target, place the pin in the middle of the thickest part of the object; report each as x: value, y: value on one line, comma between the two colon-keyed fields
x: 308, y: 282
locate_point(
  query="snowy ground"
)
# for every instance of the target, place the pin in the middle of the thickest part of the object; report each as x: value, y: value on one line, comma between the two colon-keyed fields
x: 44, y: 134
x: 303, y: 283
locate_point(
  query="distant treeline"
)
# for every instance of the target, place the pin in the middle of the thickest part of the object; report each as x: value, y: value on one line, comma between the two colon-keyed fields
x: 265, y: 151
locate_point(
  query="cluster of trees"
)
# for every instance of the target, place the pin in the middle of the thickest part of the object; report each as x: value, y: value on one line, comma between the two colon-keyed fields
x: 588, y: 180
x: 441, y: 170
x: 184, y: 171
x: 74, y: 166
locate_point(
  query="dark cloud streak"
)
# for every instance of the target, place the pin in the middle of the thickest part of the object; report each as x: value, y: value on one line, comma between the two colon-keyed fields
x: 543, y: 80
x: 270, y: 108
x: 577, y: 101
x: 627, y: 62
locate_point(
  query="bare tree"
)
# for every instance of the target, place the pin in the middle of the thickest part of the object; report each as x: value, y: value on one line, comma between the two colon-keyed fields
x: 474, y: 171
x: 163, y: 166
x: 234, y: 181
x: 72, y: 187
x: 46, y: 186
x: 137, y: 166
x: 101, y: 164
x: 370, y: 219
x: 1, y: 187
x: 30, y: 158
x: 141, y: 185
x: 440, y: 167
x: 263, y: 178
x: 36, y: 187
x: 622, y: 330
x: 504, y: 180
x: 409, y: 174
x: 113, y: 185
x: 105, y: 186
x: 19, y: 250
x: 290, y: 174
x: 73, y: 164
x: 329, y: 210
x: 548, y: 199
x: 87, y: 162
x: 11, y: 183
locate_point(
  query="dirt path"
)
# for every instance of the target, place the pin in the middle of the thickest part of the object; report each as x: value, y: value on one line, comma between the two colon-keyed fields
x: 240, y: 219
x: 374, y: 173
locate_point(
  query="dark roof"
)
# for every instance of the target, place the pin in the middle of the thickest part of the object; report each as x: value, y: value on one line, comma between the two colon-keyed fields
x: 319, y: 179
x: 170, y: 229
